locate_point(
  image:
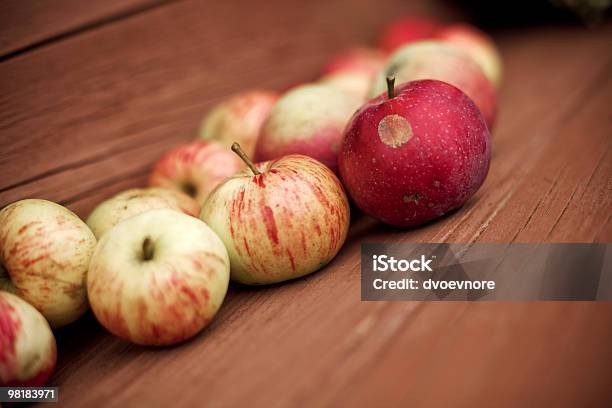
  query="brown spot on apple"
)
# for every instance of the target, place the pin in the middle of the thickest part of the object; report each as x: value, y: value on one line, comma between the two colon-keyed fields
x: 412, y: 198
x: 394, y: 131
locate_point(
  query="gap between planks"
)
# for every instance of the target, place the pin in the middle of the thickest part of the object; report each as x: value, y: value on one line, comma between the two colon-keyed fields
x: 84, y: 27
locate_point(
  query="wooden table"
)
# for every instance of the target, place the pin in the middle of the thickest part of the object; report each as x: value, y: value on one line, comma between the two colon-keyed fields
x: 92, y: 93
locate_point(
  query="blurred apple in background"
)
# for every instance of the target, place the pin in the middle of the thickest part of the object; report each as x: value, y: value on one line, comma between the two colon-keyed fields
x: 353, y: 70
x: 158, y: 278
x: 309, y: 120
x: 280, y: 219
x: 444, y: 62
x: 406, y: 30
x: 355, y: 83
x: 27, y: 346
x: 477, y: 45
x: 45, y: 251
x: 136, y: 201
x: 195, y: 168
x: 415, y: 153
x: 358, y: 59
x: 238, y: 119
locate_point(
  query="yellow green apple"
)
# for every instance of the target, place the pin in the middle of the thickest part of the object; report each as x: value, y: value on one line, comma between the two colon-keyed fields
x: 45, y: 251
x: 136, y: 201
x: 158, y: 278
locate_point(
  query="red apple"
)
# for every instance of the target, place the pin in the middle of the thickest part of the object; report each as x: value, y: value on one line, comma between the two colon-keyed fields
x: 27, y: 346
x: 411, y: 157
x: 280, y: 219
x: 195, y: 168
x: 238, y: 119
x: 307, y: 120
x: 444, y: 62
x: 406, y: 30
x: 359, y: 59
x: 478, y: 45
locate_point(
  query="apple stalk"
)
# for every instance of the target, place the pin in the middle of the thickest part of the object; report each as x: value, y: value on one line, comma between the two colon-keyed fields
x: 391, y: 87
x: 238, y: 150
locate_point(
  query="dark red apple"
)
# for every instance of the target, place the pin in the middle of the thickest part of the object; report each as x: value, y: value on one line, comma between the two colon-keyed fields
x: 415, y: 153
x: 406, y: 30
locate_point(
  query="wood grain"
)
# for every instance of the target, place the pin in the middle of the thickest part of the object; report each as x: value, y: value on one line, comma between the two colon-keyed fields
x: 104, y: 108
x: 179, y: 60
x: 28, y: 24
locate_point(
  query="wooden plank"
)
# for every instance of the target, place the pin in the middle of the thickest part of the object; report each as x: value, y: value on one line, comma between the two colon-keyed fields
x: 73, y: 183
x: 157, y: 85
x: 311, y: 342
x: 521, y: 143
x: 566, y: 169
x: 28, y: 24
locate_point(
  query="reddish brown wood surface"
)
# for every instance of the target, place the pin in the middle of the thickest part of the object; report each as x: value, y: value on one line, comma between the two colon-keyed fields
x: 86, y: 115
x: 28, y: 24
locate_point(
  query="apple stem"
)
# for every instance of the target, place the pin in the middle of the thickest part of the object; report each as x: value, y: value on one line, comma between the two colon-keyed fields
x: 238, y: 150
x: 147, y: 249
x: 391, y: 87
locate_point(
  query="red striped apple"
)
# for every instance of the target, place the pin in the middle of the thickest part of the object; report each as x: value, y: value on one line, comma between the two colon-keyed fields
x: 415, y: 153
x: 279, y: 219
x: 27, y: 346
x: 136, y: 201
x: 307, y: 120
x: 444, y: 62
x: 158, y: 278
x: 195, y: 168
x: 406, y: 30
x: 238, y: 119
x: 45, y: 251
x: 478, y: 45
